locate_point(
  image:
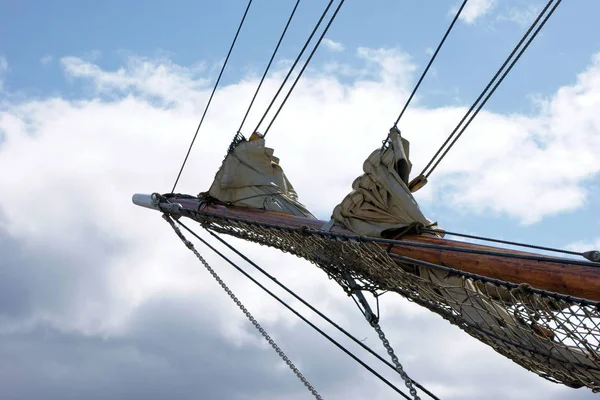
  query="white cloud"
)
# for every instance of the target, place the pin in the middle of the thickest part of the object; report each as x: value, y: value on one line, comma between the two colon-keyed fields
x: 475, y: 9
x: 47, y: 59
x: 585, y: 246
x: 529, y: 167
x: 521, y: 16
x: 332, y: 45
x: 75, y: 163
x: 160, y: 80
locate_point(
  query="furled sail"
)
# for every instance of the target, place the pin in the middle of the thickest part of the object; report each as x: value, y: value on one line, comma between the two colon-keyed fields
x: 381, y: 203
x: 251, y: 176
x: 554, y: 335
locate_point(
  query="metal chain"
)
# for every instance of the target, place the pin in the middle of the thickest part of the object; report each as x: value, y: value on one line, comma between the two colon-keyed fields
x: 373, y: 320
x: 233, y: 297
x: 375, y: 269
x: 399, y: 369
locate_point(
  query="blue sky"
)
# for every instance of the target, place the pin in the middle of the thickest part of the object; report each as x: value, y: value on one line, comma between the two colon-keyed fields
x: 188, y: 31
x: 99, y: 100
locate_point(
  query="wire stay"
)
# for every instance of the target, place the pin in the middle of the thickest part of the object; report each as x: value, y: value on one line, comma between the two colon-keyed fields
x: 337, y: 344
x: 211, y: 96
x: 305, y: 65
x: 268, y: 66
x: 431, y: 61
x: 472, y: 112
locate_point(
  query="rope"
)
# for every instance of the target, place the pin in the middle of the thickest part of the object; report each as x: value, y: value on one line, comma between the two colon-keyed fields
x: 487, y: 239
x: 555, y: 336
x: 311, y: 307
x: 305, y: 65
x: 294, y: 64
x: 431, y: 61
x: 268, y: 65
x: 262, y: 331
x: 211, y: 96
x: 483, y: 93
x: 241, y: 270
x: 367, y: 239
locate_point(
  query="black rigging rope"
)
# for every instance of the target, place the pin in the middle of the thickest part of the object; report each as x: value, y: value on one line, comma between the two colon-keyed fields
x: 431, y: 61
x: 268, y: 65
x: 483, y: 93
x: 315, y: 310
x: 305, y: 65
x: 349, y: 353
x: 487, y: 239
x: 368, y: 239
x: 294, y: 64
x: 211, y: 96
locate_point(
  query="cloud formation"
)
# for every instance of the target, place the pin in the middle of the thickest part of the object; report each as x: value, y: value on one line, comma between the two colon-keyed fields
x: 522, y: 16
x: 333, y: 45
x: 99, y: 299
x: 585, y: 246
x: 475, y: 9
x: 46, y: 60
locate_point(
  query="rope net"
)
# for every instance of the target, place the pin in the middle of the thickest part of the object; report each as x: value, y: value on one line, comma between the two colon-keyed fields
x: 555, y: 336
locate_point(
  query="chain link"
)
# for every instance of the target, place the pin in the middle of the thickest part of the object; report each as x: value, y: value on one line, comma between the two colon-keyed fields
x: 399, y: 369
x: 233, y: 297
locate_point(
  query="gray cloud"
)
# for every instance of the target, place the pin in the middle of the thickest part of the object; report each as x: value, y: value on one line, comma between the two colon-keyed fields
x: 43, y: 277
x: 99, y: 300
x: 171, y: 346
x: 171, y: 350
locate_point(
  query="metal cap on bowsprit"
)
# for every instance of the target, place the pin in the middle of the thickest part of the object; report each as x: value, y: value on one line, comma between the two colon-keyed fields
x: 593, y: 255
x: 145, y: 200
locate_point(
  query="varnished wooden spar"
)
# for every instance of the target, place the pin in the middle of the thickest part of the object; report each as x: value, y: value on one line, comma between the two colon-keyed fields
x: 554, y: 276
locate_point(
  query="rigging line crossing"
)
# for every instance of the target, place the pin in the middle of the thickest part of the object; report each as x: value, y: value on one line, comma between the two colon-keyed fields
x: 431, y: 61
x: 211, y: 96
x: 294, y: 311
x: 305, y: 65
x: 315, y: 310
x: 495, y: 87
x: 269, y: 65
x: 294, y: 65
x: 490, y: 83
x: 368, y: 239
x: 233, y: 297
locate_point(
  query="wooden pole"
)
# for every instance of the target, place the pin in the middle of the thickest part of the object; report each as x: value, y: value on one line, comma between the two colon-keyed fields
x: 554, y: 276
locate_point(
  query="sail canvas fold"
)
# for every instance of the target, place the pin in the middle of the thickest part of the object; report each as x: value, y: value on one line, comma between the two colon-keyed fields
x: 251, y: 176
x: 380, y: 203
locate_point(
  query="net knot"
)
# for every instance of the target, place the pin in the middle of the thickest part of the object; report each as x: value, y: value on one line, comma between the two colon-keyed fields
x: 302, y: 229
x: 523, y: 288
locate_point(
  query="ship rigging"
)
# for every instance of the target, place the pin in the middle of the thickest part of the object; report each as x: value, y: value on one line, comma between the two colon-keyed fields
x: 540, y: 311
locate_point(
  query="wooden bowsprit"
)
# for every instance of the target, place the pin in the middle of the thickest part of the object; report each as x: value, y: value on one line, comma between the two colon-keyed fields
x: 541, y: 312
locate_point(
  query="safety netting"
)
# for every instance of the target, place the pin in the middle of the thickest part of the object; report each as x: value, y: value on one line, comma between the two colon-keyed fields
x: 553, y: 335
